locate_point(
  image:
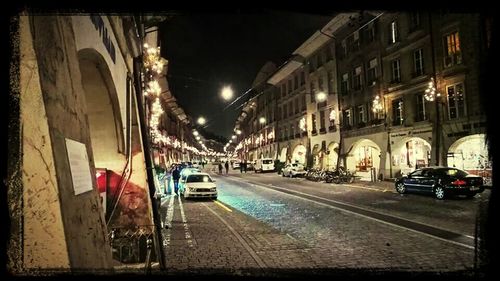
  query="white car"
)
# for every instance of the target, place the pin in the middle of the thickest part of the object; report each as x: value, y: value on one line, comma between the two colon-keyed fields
x: 236, y: 165
x: 264, y: 165
x: 198, y: 185
x: 293, y: 170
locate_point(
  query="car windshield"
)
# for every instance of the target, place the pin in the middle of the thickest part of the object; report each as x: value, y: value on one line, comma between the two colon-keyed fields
x: 450, y: 172
x: 267, y: 161
x: 199, y: 178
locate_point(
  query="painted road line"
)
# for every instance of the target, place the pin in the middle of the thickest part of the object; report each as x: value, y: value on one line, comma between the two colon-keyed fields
x: 223, y: 206
x: 403, y: 223
x: 170, y: 216
x: 187, y: 233
x: 249, y: 249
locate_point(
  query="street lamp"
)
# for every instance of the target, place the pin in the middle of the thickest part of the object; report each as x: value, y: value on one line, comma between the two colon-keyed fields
x: 238, y: 132
x: 233, y: 137
x: 262, y: 120
x: 197, y: 138
x: 321, y: 96
x: 227, y: 93
x: 201, y: 120
x: 195, y: 133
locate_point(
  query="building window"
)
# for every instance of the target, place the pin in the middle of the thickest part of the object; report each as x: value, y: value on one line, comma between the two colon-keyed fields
x: 284, y: 112
x: 290, y: 108
x: 344, y: 86
x: 343, y: 49
x: 313, y: 119
x: 320, y: 84
x: 296, y: 82
x: 320, y: 59
x: 328, y: 51
x: 414, y: 21
x: 290, y: 81
x: 291, y: 131
x: 302, y: 78
x: 332, y: 116
x: 322, y: 120
x: 456, y: 101
x: 347, y: 118
x: 355, y: 40
x: 283, y: 90
x: 397, y: 112
x: 452, y: 52
x: 361, y: 114
x: 313, y: 92
x: 421, y: 114
x: 356, y: 78
x: 296, y: 105
x: 394, y: 34
x: 279, y: 113
x: 303, y: 102
x: 370, y: 32
x: 418, y: 61
x: 331, y: 82
x: 396, y: 71
x: 372, y: 71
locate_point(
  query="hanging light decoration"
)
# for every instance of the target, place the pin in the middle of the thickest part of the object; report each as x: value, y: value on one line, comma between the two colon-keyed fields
x: 430, y: 92
x: 377, y: 104
x: 302, y: 124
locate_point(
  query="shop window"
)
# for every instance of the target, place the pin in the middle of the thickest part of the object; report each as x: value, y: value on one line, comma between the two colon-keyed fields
x: 364, y: 158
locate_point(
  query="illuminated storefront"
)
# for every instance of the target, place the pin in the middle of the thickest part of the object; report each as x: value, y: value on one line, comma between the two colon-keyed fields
x: 363, y: 158
x: 411, y: 154
x: 471, y: 154
x: 299, y: 155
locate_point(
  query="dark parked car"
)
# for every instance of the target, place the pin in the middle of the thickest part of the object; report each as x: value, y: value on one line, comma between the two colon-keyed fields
x: 440, y: 181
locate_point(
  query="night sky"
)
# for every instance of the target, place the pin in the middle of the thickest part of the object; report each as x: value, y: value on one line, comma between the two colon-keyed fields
x: 208, y: 50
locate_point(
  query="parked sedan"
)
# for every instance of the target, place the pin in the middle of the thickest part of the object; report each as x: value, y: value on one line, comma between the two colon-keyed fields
x: 199, y: 185
x: 293, y: 170
x: 440, y: 181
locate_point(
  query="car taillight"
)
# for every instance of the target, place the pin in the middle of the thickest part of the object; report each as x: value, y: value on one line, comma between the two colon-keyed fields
x: 459, y: 182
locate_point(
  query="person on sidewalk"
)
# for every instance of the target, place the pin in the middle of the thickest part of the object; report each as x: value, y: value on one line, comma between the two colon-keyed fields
x: 176, y: 174
x: 226, y: 165
x: 220, y: 169
x: 241, y: 167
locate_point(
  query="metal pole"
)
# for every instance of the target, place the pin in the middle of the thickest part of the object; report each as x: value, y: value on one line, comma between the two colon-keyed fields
x: 437, y: 124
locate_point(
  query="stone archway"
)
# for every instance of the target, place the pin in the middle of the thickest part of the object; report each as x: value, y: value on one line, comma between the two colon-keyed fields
x: 409, y: 154
x: 332, y: 156
x: 470, y: 154
x: 363, y: 157
x: 299, y: 154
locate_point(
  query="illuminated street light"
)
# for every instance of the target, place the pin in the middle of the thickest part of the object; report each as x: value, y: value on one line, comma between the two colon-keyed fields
x: 238, y: 132
x: 195, y: 133
x: 233, y: 137
x: 201, y: 120
x: 262, y: 120
x: 197, y: 138
x: 200, y: 142
x: 321, y: 96
x: 227, y: 93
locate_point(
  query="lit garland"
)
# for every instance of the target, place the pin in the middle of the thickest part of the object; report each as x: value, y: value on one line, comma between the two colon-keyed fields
x: 302, y: 124
x: 430, y: 92
x: 152, y: 60
x: 377, y: 105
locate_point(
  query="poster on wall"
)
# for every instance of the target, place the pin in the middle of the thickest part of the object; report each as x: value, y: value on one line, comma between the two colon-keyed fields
x: 79, y: 166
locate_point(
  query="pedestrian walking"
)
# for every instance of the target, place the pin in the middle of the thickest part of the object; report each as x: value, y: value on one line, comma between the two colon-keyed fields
x: 241, y: 167
x: 176, y: 174
x: 220, y: 169
x: 226, y: 166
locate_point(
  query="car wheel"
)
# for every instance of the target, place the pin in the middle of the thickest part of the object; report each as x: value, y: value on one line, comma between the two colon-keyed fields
x: 439, y: 192
x: 401, y: 188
